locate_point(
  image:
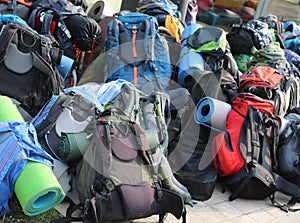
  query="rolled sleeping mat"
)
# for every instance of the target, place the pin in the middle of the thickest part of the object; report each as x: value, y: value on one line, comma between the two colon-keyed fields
x: 37, y: 189
x: 95, y: 9
x: 188, y: 64
x: 72, y: 146
x: 212, y: 113
x: 9, y: 111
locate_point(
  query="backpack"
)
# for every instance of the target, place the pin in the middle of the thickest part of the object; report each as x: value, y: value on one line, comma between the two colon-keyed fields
x: 21, y: 8
x: 266, y: 55
x: 67, y: 23
x: 292, y: 58
x: 245, y: 153
x: 36, y: 72
x: 288, y: 150
x: 211, y: 43
x: 276, y: 25
x: 123, y: 180
x: 164, y: 17
x: 128, y: 133
x: 291, y: 35
x: 189, y: 159
x: 19, y: 144
x: 267, y: 83
x: 147, y: 64
x: 188, y: 155
x: 63, y: 116
x: 248, y: 37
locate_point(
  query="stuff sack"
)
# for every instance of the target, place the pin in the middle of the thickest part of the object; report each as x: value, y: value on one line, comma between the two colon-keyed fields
x: 28, y: 66
x: 136, y: 52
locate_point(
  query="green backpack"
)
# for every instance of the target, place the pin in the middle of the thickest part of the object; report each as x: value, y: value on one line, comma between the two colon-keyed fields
x: 124, y: 173
x: 212, y: 44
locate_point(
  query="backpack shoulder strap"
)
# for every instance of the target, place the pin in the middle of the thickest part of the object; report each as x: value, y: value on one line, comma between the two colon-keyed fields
x: 46, y: 23
x: 32, y: 18
x: 7, y: 34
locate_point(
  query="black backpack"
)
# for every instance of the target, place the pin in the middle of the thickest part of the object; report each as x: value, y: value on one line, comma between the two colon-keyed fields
x: 188, y: 154
x: 67, y: 22
x: 246, y: 38
x: 28, y: 66
x: 288, y: 147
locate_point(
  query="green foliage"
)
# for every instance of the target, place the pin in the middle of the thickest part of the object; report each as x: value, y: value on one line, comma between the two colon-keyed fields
x: 16, y: 215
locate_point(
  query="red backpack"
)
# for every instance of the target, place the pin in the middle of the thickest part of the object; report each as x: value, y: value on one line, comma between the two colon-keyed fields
x: 267, y: 83
x: 226, y: 146
x: 261, y: 76
x: 245, y: 154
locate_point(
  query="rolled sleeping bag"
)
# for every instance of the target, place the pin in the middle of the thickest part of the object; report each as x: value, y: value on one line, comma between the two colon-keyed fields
x: 85, y: 31
x: 212, y: 113
x: 188, y: 64
x: 37, y: 189
x: 9, y: 111
x: 72, y: 146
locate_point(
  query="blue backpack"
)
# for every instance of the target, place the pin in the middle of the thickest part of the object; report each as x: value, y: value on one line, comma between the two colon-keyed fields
x: 137, y: 53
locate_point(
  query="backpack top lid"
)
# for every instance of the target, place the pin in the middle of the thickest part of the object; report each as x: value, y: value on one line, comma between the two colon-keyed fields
x: 208, y: 39
x: 152, y: 7
x: 267, y: 54
x: 261, y: 76
x: 272, y: 21
x: 189, y: 30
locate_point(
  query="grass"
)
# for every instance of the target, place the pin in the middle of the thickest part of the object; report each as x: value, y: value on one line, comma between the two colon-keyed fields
x: 16, y: 215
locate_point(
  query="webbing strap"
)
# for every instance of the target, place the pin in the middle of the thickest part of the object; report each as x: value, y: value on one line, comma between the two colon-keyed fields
x: 32, y: 17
